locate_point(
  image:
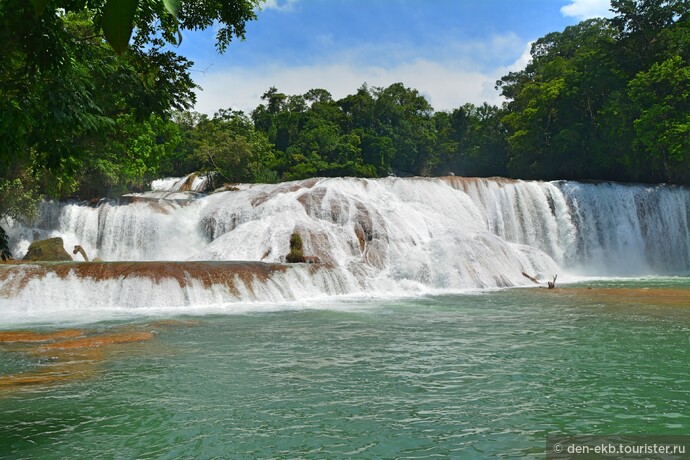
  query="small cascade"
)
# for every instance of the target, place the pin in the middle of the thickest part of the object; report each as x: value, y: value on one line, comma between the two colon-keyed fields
x: 193, y: 182
x: 136, y: 229
x: 70, y: 290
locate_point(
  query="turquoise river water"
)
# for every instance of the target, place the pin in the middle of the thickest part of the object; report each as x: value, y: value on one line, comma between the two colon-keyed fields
x: 456, y: 376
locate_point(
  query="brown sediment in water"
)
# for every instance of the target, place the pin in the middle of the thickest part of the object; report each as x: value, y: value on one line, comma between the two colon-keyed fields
x: 44, y: 377
x: 79, y: 364
x: 99, y: 340
x: 666, y: 297
x: 70, y: 358
x: 32, y: 337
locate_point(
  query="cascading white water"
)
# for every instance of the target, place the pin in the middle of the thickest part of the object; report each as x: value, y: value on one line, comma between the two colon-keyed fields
x: 191, y: 182
x: 393, y: 235
x: 388, y: 234
x: 145, y: 229
x: 629, y: 229
x: 31, y: 293
x: 595, y: 229
x: 531, y: 213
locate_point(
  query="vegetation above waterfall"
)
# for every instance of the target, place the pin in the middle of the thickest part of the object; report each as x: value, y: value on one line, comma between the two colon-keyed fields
x: 603, y: 99
x: 82, y: 115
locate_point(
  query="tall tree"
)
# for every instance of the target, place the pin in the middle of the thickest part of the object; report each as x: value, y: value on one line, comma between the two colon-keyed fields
x: 75, y: 75
x: 554, y: 113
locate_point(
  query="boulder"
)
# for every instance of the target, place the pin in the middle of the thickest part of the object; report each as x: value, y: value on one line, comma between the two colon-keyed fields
x: 51, y: 250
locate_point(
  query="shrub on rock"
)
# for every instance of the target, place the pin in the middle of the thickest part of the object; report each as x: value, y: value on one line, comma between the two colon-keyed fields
x: 51, y: 250
x: 295, y: 255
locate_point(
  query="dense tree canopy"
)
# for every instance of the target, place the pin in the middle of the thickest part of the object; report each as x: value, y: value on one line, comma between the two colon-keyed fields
x: 82, y: 113
x: 605, y: 99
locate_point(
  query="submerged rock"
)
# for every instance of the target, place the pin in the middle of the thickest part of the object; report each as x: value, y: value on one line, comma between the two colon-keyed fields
x: 50, y: 250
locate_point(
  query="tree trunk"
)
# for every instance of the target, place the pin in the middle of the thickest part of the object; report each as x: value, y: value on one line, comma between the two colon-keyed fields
x: 552, y: 284
x: 531, y: 278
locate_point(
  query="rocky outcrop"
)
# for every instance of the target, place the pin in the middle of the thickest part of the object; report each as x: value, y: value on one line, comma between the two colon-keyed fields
x: 188, y: 184
x: 197, y: 182
x: 5, y: 253
x: 50, y: 250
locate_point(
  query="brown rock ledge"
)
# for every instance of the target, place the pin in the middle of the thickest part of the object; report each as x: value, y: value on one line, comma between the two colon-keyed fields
x: 208, y: 272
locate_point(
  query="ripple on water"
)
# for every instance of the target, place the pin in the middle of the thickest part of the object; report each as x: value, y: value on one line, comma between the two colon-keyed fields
x: 463, y: 376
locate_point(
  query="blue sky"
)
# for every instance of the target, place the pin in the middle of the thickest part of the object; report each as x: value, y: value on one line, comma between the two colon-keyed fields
x: 452, y: 51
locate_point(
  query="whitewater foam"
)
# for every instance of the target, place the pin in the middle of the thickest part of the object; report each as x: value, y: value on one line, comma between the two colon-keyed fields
x: 379, y: 237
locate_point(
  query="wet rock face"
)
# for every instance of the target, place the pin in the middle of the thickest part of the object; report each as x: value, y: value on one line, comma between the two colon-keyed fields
x: 5, y: 253
x: 50, y: 250
x: 187, y: 185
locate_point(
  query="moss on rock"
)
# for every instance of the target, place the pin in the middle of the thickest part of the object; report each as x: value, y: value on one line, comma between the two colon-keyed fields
x: 295, y: 256
x: 51, y: 250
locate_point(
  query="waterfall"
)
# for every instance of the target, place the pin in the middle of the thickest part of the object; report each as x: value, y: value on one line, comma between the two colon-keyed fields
x: 629, y: 229
x: 411, y: 232
x: 596, y: 229
x: 386, y: 236
x: 132, y: 229
x: 76, y: 291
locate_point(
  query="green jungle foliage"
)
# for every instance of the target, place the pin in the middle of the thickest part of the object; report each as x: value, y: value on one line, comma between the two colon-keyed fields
x: 81, y: 112
x: 90, y: 106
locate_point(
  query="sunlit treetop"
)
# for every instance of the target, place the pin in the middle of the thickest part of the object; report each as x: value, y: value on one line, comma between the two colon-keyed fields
x: 155, y: 22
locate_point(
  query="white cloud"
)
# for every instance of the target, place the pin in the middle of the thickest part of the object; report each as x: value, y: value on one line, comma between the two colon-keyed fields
x: 280, y: 5
x: 523, y: 60
x: 447, y: 83
x: 586, y: 9
x: 445, y: 87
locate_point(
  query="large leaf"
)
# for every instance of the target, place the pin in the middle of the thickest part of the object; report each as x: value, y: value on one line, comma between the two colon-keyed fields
x: 173, y: 6
x: 118, y: 22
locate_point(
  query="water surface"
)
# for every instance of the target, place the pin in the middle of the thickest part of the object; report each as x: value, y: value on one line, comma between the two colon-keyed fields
x: 463, y: 376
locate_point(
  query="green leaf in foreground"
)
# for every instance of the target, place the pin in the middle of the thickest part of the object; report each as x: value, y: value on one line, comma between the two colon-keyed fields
x: 118, y: 22
x: 173, y: 6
